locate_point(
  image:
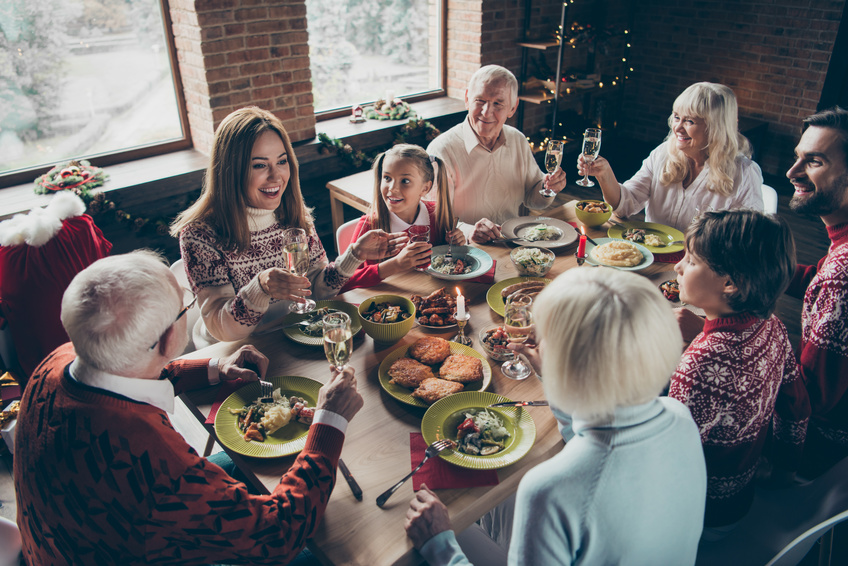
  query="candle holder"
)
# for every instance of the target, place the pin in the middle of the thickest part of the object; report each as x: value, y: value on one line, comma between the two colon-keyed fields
x: 580, y: 260
x: 461, y: 338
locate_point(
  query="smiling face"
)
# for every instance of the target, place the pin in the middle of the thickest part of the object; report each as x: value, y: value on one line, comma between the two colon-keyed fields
x: 489, y: 106
x: 690, y: 134
x: 402, y: 186
x: 269, y: 172
x: 820, y: 175
x: 702, y: 287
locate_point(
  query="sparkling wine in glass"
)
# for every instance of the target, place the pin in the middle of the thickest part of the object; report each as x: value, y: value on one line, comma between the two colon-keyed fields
x: 591, y: 148
x: 517, y: 314
x: 296, y: 252
x: 553, y: 157
x: 338, y: 340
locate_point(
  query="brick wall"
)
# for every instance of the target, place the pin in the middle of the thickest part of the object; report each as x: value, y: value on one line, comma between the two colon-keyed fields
x: 773, y: 54
x: 233, y: 53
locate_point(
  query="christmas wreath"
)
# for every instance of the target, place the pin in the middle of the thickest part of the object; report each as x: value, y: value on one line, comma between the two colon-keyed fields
x: 395, y: 109
x: 77, y: 176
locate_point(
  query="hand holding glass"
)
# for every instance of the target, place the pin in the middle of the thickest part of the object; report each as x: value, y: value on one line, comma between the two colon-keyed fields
x: 553, y: 158
x: 418, y: 233
x: 591, y: 149
x: 518, y: 314
x: 296, y: 251
x: 338, y: 340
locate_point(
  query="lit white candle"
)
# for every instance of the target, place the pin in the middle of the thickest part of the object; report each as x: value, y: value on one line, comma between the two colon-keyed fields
x: 460, y: 304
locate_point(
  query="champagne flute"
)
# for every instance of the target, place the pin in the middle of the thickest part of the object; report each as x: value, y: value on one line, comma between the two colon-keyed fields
x: 553, y: 157
x: 338, y: 340
x: 518, y: 314
x: 296, y: 251
x: 591, y: 148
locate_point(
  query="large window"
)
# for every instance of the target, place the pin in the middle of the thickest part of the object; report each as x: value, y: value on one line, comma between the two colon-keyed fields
x: 82, y: 78
x: 361, y: 49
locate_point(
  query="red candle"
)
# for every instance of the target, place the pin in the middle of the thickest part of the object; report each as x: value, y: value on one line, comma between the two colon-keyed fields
x: 581, y: 246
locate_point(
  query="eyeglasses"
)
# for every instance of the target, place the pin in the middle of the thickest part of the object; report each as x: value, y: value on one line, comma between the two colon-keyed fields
x: 184, y: 310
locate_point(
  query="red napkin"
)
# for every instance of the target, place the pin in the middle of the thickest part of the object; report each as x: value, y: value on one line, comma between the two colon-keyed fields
x: 226, y: 389
x: 488, y: 278
x: 669, y: 258
x: 438, y: 474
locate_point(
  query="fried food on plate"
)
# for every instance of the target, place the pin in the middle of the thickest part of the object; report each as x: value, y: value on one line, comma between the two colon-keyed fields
x: 433, y: 389
x: 462, y: 368
x: 407, y: 372
x: 430, y: 350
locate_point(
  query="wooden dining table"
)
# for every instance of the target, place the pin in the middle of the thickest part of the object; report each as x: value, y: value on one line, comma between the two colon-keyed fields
x: 377, y: 443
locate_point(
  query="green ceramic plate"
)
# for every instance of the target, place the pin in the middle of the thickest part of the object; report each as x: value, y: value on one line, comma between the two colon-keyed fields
x: 493, y: 295
x: 647, y: 259
x: 480, y: 262
x: 665, y: 233
x: 287, y: 441
x: 403, y: 394
x: 441, y: 420
x: 297, y: 335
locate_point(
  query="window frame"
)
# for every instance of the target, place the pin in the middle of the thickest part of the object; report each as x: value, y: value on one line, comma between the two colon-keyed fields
x: 427, y: 95
x: 22, y: 176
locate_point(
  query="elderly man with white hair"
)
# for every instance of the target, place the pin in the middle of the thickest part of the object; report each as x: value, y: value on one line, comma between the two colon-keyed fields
x: 101, y: 475
x: 491, y: 169
x: 630, y: 484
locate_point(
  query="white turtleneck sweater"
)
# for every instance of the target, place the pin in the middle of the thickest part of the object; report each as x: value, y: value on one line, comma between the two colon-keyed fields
x: 232, y: 303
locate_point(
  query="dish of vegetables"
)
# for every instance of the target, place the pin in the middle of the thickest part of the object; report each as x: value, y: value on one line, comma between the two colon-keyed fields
x: 385, y: 313
x: 482, y: 433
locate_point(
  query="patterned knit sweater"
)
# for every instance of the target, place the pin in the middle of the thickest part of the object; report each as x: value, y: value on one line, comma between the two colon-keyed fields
x: 368, y: 274
x: 738, y: 376
x: 824, y: 337
x: 101, y: 479
x: 232, y: 303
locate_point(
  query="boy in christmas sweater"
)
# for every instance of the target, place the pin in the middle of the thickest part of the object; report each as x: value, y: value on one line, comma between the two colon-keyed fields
x: 820, y: 178
x: 739, y: 376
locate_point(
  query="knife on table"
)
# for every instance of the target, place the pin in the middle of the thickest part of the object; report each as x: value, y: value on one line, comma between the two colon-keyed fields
x: 521, y: 404
x: 354, y: 487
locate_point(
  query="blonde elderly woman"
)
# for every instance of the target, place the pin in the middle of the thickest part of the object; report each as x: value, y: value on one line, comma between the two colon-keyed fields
x: 630, y: 484
x: 232, y: 240
x: 704, y: 164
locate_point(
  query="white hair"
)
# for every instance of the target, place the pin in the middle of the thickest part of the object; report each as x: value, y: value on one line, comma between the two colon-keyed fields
x: 610, y: 340
x: 495, y: 75
x: 117, y: 307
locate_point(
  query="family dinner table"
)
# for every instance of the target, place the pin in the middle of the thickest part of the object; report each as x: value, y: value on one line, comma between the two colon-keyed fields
x: 376, y: 446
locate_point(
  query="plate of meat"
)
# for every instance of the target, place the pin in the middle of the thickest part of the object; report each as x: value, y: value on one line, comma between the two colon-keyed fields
x: 437, y: 310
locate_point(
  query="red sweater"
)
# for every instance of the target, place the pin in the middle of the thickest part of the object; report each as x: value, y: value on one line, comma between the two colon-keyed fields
x: 736, y: 377
x: 368, y: 274
x: 101, y: 479
x: 823, y: 352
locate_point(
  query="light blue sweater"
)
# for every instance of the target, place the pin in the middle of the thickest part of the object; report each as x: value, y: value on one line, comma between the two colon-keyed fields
x: 629, y: 489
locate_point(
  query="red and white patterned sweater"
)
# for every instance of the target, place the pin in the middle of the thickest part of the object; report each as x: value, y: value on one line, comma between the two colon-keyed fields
x: 101, y: 479
x: 823, y: 352
x: 231, y: 300
x: 738, y: 376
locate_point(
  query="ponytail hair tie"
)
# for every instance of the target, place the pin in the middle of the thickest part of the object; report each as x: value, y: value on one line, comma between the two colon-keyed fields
x: 432, y: 158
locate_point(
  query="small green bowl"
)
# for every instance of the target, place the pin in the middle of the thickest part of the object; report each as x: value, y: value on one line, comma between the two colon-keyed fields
x: 388, y: 332
x: 593, y: 219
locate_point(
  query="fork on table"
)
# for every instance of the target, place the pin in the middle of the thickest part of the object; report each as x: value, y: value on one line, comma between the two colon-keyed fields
x: 449, y: 255
x: 266, y: 389
x: 431, y: 451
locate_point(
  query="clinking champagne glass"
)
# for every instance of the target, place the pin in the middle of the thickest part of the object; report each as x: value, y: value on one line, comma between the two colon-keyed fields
x: 553, y: 158
x: 296, y: 251
x: 518, y: 314
x: 338, y: 340
x: 591, y: 148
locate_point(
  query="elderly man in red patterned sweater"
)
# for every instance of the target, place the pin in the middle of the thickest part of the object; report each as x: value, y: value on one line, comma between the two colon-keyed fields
x: 820, y: 178
x: 101, y: 475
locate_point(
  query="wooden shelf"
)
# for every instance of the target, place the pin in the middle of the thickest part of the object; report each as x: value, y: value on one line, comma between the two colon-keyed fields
x: 540, y: 45
x: 536, y: 96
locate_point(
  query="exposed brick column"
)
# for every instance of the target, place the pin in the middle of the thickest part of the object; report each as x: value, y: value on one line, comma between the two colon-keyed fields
x: 465, y: 31
x: 235, y: 53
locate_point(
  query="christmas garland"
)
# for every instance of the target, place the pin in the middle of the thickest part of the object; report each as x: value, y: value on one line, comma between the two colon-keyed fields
x: 397, y: 109
x: 412, y: 129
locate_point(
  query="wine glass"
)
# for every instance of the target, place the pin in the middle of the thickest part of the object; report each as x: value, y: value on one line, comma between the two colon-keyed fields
x: 518, y: 314
x: 591, y: 148
x: 553, y: 157
x: 419, y: 233
x: 296, y: 250
x: 338, y: 340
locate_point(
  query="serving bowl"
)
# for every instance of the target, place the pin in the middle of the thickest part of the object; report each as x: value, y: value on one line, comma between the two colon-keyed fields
x: 387, y: 332
x: 539, y: 266
x: 592, y: 218
x: 499, y: 355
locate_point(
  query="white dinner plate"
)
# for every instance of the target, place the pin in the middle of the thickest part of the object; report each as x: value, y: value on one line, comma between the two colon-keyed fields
x: 518, y: 228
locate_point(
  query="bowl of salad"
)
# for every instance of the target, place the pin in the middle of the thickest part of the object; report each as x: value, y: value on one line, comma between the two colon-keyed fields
x: 532, y: 262
x: 493, y: 338
x: 387, y: 318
